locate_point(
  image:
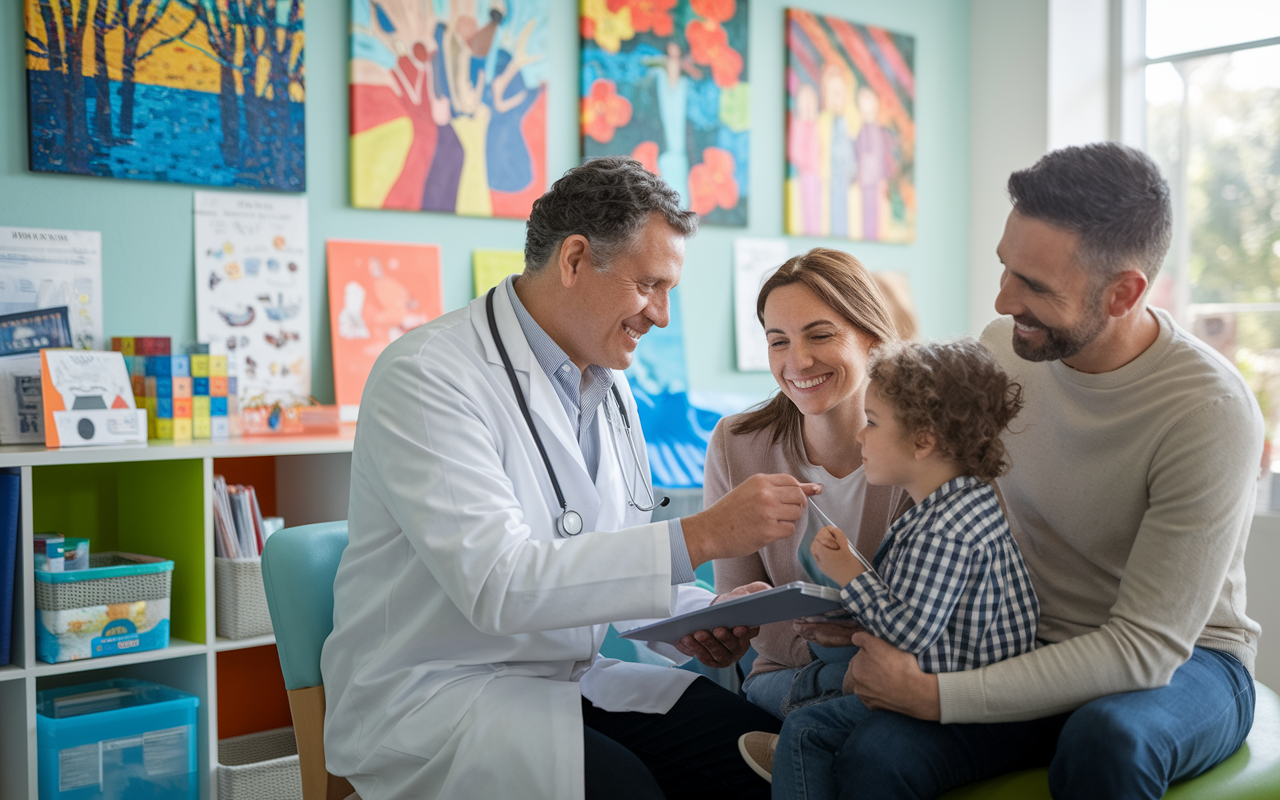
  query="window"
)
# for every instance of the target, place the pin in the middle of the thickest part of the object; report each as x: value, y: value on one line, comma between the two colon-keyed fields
x: 1213, y: 126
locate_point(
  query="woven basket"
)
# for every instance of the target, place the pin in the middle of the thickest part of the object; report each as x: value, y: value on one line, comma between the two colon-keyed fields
x: 64, y: 596
x: 242, y: 601
x: 260, y: 766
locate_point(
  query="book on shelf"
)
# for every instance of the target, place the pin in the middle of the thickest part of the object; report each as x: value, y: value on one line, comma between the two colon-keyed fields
x: 9, y: 493
x: 239, y: 529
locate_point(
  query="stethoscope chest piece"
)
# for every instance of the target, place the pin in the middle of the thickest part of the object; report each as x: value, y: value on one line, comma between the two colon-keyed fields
x: 570, y: 523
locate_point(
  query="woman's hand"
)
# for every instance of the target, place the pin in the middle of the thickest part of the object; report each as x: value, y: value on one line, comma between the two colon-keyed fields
x: 723, y: 647
x: 834, y: 633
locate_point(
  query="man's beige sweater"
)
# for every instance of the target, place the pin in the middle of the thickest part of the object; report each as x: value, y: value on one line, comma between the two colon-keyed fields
x: 1131, y: 494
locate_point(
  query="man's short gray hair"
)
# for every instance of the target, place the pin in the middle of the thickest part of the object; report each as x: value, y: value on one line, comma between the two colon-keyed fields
x: 608, y: 200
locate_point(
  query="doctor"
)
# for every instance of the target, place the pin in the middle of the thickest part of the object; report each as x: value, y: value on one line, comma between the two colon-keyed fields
x: 499, y: 520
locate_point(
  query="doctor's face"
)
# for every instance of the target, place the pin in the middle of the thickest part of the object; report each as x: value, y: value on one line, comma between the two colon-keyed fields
x: 613, y: 307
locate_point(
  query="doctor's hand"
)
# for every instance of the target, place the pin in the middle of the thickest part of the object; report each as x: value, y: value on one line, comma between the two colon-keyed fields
x: 723, y: 647
x: 759, y: 511
x: 886, y: 678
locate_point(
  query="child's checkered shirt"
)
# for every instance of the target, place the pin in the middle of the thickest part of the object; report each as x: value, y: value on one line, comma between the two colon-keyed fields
x: 952, y: 587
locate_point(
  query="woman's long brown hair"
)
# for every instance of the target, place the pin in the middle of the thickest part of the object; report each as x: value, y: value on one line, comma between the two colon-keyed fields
x: 840, y: 281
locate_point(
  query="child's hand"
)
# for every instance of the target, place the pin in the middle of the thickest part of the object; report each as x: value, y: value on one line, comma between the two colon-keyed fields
x: 830, y: 549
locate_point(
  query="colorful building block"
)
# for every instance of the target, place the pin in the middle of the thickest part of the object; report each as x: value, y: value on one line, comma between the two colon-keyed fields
x: 194, y: 348
x: 217, y: 366
x: 181, y: 430
x: 199, y: 386
x: 181, y: 387
x: 200, y: 406
x: 181, y: 366
x: 219, y: 428
x: 199, y: 365
x: 201, y: 428
x: 233, y: 386
x: 181, y: 407
x: 218, y: 406
x: 164, y: 407
x: 151, y: 345
x: 164, y: 429
x: 139, y: 386
x: 123, y: 344
x: 217, y: 386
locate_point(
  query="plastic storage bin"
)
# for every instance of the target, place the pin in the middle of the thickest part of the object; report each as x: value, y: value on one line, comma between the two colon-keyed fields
x: 117, y: 739
x: 260, y: 766
x: 242, y: 601
x: 120, y: 604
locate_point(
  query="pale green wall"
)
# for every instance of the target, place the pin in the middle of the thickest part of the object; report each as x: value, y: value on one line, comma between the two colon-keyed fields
x: 147, y: 227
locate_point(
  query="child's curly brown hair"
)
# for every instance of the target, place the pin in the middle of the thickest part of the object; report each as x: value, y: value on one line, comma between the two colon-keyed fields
x: 954, y: 390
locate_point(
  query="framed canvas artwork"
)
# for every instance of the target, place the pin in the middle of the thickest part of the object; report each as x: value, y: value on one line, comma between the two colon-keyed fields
x: 850, y: 130
x: 449, y: 105
x: 208, y: 92
x: 665, y: 82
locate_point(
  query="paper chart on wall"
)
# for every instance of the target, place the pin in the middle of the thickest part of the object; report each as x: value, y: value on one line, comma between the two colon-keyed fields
x: 252, y: 290
x: 754, y: 260
x: 42, y: 268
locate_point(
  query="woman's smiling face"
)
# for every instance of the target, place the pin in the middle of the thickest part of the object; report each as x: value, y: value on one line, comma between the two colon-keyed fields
x: 818, y: 358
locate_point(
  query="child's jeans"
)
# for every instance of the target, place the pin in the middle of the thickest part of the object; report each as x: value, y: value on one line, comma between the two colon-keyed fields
x: 782, y: 691
x: 803, y: 765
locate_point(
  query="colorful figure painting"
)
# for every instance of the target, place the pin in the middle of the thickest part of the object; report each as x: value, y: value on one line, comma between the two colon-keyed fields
x: 209, y: 92
x: 449, y: 105
x: 850, y: 130
x: 665, y: 82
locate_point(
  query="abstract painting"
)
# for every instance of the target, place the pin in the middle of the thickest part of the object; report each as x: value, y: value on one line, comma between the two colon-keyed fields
x: 378, y: 291
x: 449, y: 105
x: 850, y: 130
x: 665, y: 82
x: 208, y: 92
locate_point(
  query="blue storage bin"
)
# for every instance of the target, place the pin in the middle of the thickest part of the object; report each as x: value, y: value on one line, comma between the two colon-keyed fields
x: 118, y: 739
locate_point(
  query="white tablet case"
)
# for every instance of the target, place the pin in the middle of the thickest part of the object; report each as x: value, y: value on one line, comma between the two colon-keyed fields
x: 797, y: 599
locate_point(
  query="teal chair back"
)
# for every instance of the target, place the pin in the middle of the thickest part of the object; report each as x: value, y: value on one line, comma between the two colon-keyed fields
x: 298, y: 568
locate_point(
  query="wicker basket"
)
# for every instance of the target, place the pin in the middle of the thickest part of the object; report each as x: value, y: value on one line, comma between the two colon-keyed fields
x: 259, y: 766
x: 242, y: 601
x: 81, y: 589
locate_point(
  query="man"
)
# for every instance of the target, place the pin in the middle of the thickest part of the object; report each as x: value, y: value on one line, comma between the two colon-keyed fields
x: 1131, y: 494
x: 498, y: 523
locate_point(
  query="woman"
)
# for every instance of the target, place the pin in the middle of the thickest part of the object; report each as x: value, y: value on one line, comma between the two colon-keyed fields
x: 823, y: 315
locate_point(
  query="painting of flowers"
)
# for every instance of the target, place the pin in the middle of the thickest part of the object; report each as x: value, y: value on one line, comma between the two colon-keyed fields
x: 449, y: 105
x: 665, y: 82
x: 850, y: 130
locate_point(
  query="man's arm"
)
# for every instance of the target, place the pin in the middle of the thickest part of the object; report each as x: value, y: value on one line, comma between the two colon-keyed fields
x: 1201, y: 505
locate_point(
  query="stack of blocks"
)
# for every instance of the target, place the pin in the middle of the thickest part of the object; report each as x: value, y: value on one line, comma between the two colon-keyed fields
x: 186, y: 396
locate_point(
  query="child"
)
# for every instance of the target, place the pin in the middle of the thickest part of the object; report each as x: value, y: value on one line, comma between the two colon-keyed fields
x: 949, y: 584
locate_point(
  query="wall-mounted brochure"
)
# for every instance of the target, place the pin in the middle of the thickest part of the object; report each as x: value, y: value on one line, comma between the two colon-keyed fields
x: 252, y: 290
x: 378, y: 291
x: 754, y: 260
x: 43, y: 268
x: 88, y: 399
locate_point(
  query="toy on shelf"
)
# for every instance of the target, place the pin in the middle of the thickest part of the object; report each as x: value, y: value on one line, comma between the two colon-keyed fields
x: 190, y: 396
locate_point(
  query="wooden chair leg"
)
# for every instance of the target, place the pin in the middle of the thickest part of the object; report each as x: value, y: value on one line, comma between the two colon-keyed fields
x: 307, y: 707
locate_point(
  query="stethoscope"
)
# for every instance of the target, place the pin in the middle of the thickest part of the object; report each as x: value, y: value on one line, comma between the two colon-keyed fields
x: 570, y: 521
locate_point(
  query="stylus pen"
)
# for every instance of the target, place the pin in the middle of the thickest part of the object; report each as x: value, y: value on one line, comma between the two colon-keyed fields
x: 827, y: 521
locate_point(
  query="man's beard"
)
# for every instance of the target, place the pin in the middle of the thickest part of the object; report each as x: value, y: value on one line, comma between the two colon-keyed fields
x: 1060, y: 343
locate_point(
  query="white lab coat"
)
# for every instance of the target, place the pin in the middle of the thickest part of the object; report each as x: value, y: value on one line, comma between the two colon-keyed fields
x: 465, y: 630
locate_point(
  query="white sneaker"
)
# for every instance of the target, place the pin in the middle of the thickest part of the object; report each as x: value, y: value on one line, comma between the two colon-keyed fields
x: 757, y: 750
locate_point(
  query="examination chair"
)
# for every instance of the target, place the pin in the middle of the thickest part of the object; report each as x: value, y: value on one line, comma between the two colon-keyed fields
x: 298, y: 568
x: 1252, y: 773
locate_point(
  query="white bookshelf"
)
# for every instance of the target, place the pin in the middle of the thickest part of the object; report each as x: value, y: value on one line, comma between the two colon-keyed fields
x: 312, y: 479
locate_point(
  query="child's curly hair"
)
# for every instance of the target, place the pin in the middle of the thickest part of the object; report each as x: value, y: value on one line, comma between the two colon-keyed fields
x: 954, y: 390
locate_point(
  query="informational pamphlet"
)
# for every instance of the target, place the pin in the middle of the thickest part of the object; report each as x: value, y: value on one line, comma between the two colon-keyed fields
x: 252, y: 291
x: 43, y: 268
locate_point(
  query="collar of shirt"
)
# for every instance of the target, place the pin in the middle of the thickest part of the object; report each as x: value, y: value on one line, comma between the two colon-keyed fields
x: 955, y: 486
x: 564, y: 374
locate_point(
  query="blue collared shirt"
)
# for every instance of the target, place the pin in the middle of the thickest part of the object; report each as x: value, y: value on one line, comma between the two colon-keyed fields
x: 581, y: 395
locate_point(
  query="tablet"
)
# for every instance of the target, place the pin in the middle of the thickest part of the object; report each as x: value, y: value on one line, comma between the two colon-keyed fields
x: 798, y: 599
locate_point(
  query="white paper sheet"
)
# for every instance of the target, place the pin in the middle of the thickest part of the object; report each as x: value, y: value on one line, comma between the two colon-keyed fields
x: 754, y: 260
x: 253, y: 291
x: 43, y: 268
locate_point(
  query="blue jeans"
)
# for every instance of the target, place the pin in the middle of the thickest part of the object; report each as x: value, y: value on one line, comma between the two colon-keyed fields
x: 1129, y: 745
x: 782, y: 691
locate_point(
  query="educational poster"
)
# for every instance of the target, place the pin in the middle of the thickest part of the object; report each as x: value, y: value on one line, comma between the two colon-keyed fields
x: 203, y: 92
x: 42, y: 268
x: 490, y: 267
x: 378, y: 291
x: 850, y: 130
x: 666, y: 83
x: 676, y: 432
x: 252, y: 290
x: 449, y: 105
x: 754, y: 260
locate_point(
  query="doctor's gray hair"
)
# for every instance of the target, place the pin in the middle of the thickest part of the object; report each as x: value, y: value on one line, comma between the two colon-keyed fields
x: 1110, y: 195
x: 608, y: 200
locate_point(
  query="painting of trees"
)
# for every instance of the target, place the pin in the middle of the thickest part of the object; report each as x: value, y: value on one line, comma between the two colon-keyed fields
x: 209, y: 92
